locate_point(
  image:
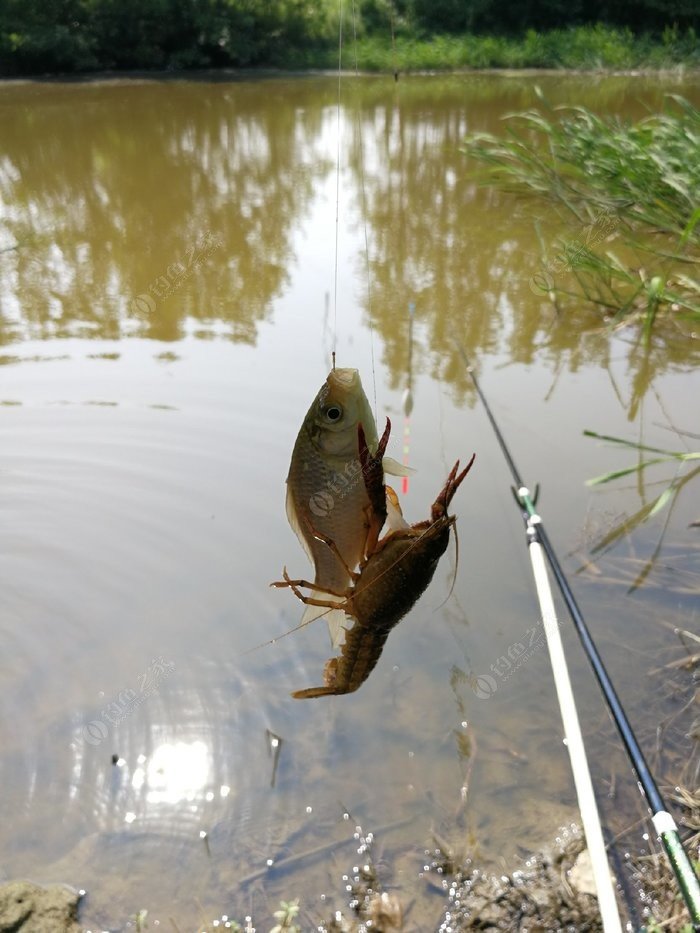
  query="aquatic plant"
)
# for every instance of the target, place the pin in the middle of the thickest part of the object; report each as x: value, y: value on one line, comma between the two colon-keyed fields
x: 639, y: 572
x: 629, y: 194
x: 286, y: 917
x: 666, y: 498
x: 666, y: 456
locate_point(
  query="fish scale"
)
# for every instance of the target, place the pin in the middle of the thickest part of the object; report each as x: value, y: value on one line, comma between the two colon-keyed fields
x: 325, y: 491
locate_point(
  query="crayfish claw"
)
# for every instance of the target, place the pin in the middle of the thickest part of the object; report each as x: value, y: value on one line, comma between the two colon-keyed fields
x: 452, y: 484
x: 373, y: 474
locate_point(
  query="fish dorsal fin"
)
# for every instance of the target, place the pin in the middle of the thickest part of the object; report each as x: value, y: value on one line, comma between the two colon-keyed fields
x: 295, y: 524
x: 394, y: 515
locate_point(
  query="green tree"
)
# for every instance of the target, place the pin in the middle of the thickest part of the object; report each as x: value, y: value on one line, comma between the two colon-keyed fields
x: 40, y: 36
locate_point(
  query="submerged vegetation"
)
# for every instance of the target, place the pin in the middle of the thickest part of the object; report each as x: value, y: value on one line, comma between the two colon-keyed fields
x: 665, y: 456
x: 641, y: 571
x: 629, y: 194
x: 86, y: 35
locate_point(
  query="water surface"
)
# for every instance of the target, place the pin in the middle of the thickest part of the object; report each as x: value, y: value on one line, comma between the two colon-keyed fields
x: 168, y: 308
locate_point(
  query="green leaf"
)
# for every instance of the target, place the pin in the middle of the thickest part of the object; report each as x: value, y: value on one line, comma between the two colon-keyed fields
x: 636, y: 446
x: 616, y: 474
x: 663, y: 499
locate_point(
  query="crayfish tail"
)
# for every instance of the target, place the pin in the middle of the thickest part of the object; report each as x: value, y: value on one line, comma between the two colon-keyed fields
x: 311, y: 692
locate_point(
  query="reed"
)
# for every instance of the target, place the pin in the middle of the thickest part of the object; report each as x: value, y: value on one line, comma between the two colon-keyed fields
x: 629, y: 194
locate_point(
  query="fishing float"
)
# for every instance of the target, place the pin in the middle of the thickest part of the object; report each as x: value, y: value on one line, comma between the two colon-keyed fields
x: 539, y: 543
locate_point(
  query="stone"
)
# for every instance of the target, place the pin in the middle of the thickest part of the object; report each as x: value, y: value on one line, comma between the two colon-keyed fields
x: 29, y: 908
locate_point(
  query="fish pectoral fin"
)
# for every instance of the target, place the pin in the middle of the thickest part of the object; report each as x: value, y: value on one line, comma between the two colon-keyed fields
x: 336, y: 627
x: 394, y: 515
x: 394, y: 468
x: 334, y: 617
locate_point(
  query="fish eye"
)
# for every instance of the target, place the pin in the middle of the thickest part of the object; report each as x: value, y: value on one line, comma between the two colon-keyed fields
x: 334, y: 413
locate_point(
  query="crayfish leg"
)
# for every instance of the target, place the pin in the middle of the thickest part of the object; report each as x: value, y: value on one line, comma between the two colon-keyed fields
x: 329, y: 542
x: 296, y: 585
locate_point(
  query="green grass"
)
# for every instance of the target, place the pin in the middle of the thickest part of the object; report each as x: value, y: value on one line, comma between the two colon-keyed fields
x: 653, y: 504
x: 303, y: 34
x: 629, y: 194
x: 586, y: 48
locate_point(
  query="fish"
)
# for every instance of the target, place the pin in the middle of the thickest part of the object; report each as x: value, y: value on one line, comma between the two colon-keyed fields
x: 391, y: 578
x: 326, y: 495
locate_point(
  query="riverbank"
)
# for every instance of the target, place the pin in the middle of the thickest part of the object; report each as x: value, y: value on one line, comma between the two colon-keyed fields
x: 226, y: 75
x: 582, y: 48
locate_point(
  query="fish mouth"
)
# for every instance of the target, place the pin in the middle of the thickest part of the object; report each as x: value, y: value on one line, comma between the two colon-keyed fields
x: 344, y: 378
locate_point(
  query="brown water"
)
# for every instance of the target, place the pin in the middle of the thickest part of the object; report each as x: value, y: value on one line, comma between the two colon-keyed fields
x: 168, y: 307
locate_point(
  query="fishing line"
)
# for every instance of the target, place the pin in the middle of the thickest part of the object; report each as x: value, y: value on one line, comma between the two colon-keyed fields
x: 393, y: 41
x: 363, y: 199
x: 363, y: 208
x: 337, y: 183
x: 291, y: 631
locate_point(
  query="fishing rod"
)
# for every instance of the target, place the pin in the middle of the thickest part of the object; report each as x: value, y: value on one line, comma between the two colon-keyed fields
x: 663, y: 822
x: 581, y: 772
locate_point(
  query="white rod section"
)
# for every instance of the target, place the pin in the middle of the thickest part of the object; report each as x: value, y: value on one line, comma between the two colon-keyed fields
x: 607, y: 903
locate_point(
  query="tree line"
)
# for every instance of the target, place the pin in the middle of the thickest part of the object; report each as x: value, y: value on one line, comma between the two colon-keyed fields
x: 48, y: 36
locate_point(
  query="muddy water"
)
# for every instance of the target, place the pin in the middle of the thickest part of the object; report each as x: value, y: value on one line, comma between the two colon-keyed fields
x: 168, y: 307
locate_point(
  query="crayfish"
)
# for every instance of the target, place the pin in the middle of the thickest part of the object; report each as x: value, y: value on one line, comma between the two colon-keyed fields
x: 393, y: 573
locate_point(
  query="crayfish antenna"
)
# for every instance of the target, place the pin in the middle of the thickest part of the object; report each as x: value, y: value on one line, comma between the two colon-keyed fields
x: 453, y: 522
